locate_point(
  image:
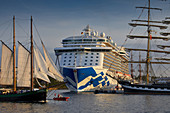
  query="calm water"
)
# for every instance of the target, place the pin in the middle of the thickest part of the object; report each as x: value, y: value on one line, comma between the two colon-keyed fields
x: 93, y: 103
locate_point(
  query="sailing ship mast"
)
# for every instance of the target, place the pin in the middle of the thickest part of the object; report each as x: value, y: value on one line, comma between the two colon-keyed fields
x: 140, y: 70
x: 14, y: 57
x: 149, y: 34
x: 131, y: 65
x: 32, y: 85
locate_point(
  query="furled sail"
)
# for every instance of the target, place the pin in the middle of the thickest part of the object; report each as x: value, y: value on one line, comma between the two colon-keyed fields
x: 51, y: 66
x: 40, y: 65
x: 24, y: 67
x: 6, y: 77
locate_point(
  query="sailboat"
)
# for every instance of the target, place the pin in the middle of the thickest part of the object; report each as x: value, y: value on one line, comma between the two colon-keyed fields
x: 147, y: 88
x: 31, y: 66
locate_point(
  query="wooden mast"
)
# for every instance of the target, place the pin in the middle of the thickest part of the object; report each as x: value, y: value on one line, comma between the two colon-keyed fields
x: 31, y: 56
x: 131, y: 65
x: 148, y: 48
x: 140, y: 70
x: 14, y: 57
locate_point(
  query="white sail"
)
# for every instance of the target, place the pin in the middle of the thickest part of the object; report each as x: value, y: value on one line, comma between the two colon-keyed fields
x: 24, y: 67
x: 38, y: 74
x: 6, y: 77
x: 41, y: 64
x: 51, y: 66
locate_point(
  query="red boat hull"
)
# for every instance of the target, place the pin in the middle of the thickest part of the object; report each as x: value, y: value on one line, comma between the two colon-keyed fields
x: 61, y: 98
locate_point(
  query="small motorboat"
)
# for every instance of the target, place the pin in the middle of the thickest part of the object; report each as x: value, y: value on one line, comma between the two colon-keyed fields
x: 61, y: 98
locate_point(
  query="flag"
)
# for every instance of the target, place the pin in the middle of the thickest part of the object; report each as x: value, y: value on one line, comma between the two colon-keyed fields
x: 150, y: 37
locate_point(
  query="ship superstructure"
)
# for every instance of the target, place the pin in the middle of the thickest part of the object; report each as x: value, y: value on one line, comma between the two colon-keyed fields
x: 91, y: 61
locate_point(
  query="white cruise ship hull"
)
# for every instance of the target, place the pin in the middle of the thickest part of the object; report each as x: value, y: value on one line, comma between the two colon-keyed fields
x: 87, y: 79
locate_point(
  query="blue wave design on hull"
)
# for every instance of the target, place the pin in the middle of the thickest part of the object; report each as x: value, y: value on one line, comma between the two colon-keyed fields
x: 82, y: 74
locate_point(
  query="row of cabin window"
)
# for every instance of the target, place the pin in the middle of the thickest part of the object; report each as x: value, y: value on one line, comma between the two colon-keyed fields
x: 76, y: 53
x: 84, y: 64
x: 85, y: 60
x: 85, y: 57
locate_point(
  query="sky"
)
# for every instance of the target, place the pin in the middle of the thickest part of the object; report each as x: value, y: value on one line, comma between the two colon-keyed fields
x: 58, y: 19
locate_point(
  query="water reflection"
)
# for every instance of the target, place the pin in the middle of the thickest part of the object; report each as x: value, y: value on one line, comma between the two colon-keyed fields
x: 92, y: 103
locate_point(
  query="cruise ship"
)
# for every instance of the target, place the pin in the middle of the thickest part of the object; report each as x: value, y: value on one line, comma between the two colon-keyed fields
x: 91, y: 61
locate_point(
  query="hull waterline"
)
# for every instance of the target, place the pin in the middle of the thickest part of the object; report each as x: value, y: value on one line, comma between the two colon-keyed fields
x: 31, y: 96
x: 153, y: 89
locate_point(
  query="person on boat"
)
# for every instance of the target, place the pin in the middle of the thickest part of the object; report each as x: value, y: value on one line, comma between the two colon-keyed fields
x: 117, y: 87
x: 59, y: 96
x: 15, y: 92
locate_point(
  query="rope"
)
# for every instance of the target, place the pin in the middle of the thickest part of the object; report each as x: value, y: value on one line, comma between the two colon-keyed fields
x: 5, y: 22
x: 23, y: 29
x: 132, y: 28
x: 4, y: 31
x: 37, y: 32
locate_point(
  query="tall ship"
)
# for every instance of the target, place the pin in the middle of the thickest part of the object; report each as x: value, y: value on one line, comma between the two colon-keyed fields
x: 17, y: 82
x: 150, y: 86
x: 91, y: 61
